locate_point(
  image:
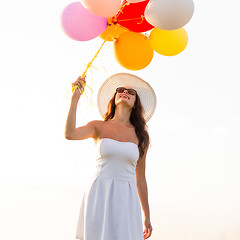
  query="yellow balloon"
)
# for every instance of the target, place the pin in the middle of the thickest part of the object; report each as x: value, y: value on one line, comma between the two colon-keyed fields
x: 112, y: 32
x: 133, y: 51
x: 168, y: 43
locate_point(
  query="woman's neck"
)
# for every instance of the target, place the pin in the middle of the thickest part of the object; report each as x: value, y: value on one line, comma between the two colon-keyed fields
x: 122, y: 115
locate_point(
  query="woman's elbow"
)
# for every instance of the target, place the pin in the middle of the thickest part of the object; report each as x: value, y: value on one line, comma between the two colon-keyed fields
x: 68, y: 136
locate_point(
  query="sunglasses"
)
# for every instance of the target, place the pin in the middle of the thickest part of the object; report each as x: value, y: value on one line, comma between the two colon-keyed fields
x: 130, y: 91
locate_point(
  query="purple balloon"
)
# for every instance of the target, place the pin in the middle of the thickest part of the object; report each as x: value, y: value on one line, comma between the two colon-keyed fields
x: 81, y: 25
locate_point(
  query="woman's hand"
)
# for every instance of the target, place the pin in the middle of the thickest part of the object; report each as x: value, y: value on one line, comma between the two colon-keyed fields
x: 80, y: 82
x: 147, y: 228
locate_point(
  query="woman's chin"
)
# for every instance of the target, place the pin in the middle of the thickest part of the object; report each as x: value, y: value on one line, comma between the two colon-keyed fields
x: 123, y: 101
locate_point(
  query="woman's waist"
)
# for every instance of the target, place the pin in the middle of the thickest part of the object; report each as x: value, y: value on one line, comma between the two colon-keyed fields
x: 120, y: 174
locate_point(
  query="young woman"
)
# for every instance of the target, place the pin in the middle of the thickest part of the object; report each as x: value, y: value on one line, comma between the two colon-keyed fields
x: 110, y: 208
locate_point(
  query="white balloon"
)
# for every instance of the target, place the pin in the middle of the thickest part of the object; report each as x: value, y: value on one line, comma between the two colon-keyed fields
x: 135, y: 1
x: 169, y: 14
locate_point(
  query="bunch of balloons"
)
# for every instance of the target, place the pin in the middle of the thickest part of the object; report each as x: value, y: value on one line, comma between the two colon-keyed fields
x: 127, y: 22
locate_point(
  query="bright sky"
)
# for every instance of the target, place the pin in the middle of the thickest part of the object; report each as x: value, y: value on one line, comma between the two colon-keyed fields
x: 193, y: 164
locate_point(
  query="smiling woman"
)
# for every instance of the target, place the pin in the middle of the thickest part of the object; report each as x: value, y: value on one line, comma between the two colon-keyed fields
x: 125, y: 93
x: 110, y: 207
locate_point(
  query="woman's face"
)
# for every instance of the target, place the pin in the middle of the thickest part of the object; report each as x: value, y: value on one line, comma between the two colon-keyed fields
x: 125, y: 97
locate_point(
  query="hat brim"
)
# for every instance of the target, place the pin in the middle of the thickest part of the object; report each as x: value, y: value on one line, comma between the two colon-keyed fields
x: 144, y: 91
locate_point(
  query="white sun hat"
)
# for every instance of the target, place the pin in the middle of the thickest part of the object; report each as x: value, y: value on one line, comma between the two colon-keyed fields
x: 144, y: 90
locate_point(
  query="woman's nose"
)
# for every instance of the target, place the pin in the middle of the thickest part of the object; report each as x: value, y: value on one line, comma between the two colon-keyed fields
x: 125, y: 91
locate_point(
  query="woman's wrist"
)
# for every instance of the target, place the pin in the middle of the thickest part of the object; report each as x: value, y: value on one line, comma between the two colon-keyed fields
x: 77, y: 92
x: 76, y: 97
x: 146, y: 217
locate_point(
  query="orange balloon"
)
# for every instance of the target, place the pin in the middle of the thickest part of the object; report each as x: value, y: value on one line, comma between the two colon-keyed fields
x: 133, y: 51
x: 112, y: 32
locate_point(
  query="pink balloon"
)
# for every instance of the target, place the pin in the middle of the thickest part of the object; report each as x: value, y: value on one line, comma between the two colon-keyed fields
x: 104, y: 8
x: 81, y: 25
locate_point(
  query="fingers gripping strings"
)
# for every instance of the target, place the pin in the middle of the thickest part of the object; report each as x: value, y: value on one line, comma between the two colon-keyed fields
x: 74, y: 87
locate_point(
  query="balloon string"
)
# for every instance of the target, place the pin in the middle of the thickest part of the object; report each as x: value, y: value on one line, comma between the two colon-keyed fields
x: 122, y: 7
x: 90, y: 63
x: 123, y: 20
x: 114, y: 18
x: 88, y: 66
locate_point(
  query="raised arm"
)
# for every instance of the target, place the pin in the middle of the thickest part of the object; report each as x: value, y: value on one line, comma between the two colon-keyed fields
x: 71, y: 132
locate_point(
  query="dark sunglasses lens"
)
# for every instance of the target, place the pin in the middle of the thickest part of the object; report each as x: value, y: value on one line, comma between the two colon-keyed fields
x: 132, y: 91
x: 120, y: 90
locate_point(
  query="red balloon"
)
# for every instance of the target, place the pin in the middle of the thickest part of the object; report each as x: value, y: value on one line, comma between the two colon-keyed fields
x: 132, y: 17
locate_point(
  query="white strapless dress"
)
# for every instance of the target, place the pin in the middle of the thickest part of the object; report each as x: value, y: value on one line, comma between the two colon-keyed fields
x: 110, y: 208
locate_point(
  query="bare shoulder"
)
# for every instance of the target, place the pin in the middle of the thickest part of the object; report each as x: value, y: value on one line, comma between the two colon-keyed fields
x: 95, y: 123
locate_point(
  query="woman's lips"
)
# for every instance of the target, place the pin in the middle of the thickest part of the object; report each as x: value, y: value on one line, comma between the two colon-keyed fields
x: 124, y: 95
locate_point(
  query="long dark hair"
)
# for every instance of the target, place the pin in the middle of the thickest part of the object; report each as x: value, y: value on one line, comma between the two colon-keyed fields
x: 137, y: 120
